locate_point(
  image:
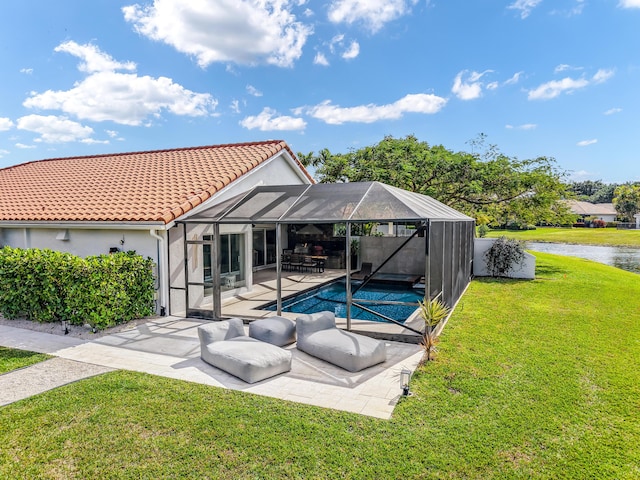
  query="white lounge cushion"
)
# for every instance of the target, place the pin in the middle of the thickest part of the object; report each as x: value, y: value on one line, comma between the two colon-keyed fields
x: 318, y: 336
x: 225, y: 346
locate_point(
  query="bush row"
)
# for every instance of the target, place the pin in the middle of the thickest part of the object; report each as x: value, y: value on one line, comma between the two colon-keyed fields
x: 49, y: 286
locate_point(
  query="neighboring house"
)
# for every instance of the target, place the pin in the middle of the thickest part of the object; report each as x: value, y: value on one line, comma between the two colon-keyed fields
x: 637, y: 217
x: 601, y: 211
x: 130, y: 201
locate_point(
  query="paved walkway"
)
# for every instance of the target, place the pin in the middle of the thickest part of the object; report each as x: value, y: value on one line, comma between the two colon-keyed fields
x: 169, y: 347
x: 55, y: 372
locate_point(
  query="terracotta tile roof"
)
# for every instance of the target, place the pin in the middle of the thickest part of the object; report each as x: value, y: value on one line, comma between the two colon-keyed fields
x: 154, y: 186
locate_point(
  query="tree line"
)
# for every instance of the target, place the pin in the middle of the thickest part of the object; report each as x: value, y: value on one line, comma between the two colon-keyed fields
x: 485, y: 183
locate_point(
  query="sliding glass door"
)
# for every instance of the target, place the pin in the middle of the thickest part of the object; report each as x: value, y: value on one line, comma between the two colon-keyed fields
x: 264, y: 247
x: 232, y: 268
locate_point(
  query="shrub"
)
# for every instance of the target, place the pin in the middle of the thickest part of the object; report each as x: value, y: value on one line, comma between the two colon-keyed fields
x: 599, y: 223
x: 504, y: 254
x: 49, y: 286
x: 483, y: 230
x: 432, y: 312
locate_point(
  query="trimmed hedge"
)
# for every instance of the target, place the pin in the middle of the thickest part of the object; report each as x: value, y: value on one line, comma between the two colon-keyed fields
x: 50, y: 286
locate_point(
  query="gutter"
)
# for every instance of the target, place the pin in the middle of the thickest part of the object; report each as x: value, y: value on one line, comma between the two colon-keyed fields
x: 162, y: 271
x: 84, y: 225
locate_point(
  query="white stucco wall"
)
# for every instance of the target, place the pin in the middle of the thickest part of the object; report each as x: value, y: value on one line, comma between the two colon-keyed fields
x: 80, y: 241
x: 526, y: 270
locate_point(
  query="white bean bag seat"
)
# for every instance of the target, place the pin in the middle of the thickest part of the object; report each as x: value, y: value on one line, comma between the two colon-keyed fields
x: 318, y: 336
x: 225, y: 345
x: 274, y: 330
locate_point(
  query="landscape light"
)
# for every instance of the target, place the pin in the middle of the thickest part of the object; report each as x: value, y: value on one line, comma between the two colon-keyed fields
x: 405, y: 378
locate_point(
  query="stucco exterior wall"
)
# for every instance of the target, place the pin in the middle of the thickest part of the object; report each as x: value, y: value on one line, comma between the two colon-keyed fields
x: 82, y: 242
x: 411, y: 261
x: 526, y: 270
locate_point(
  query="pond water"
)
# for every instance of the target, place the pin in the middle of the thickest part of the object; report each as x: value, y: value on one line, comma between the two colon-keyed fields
x: 626, y: 258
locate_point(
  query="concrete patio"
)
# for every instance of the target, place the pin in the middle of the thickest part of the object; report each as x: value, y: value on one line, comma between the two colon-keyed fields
x: 169, y: 347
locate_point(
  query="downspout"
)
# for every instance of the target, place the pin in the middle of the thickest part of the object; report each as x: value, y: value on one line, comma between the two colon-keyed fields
x: 162, y: 270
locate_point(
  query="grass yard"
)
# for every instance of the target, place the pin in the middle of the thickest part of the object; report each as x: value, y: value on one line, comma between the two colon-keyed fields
x: 534, y: 379
x: 11, y: 359
x: 584, y: 236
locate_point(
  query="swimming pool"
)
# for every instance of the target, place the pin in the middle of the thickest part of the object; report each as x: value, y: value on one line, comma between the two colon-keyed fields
x: 332, y: 297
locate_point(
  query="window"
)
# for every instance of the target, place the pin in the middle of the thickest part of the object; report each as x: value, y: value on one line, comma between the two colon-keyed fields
x: 232, y: 263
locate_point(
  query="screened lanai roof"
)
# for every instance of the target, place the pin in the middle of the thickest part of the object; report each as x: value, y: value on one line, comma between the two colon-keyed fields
x: 327, y: 203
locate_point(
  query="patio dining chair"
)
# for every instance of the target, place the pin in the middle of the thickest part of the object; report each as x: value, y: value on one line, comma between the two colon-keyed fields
x: 308, y: 263
x: 296, y: 262
x: 286, y: 261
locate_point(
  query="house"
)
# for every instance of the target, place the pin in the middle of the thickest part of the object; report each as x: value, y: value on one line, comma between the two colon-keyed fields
x: 594, y: 211
x: 131, y: 201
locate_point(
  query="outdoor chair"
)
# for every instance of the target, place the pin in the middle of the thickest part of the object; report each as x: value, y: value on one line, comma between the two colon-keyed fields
x: 319, y: 337
x: 296, y: 262
x: 286, y: 261
x: 364, y: 272
x: 308, y: 264
x: 225, y: 345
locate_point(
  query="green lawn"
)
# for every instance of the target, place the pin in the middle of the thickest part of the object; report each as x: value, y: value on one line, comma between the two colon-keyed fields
x: 11, y: 359
x: 534, y: 379
x: 585, y: 236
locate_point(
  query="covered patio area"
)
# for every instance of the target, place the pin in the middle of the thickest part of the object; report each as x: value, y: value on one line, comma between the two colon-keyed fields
x: 438, y: 250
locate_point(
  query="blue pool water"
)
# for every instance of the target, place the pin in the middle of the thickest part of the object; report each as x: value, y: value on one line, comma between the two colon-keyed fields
x: 332, y: 297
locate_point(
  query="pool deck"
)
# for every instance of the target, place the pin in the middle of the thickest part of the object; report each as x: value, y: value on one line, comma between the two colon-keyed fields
x: 169, y: 347
x: 248, y: 305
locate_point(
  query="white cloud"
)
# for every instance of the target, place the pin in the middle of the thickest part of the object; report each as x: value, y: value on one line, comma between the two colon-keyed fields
x: 602, y: 76
x: 373, y: 13
x: 5, y: 124
x: 576, y: 9
x: 26, y: 71
x: 112, y: 133
x: 125, y: 98
x: 413, y: 103
x: 251, y: 90
x: 268, y: 120
x: 4, y: 152
x: 525, y: 126
x: 469, y: 88
x: 321, y: 59
x: 352, y: 52
x: 563, y: 67
x: 555, y: 88
x: 612, y: 111
x: 629, y: 3
x: 24, y: 147
x: 239, y: 31
x: 235, y: 106
x: 514, y: 79
x: 54, y: 129
x: 93, y: 60
x: 525, y: 6
x: 585, y: 143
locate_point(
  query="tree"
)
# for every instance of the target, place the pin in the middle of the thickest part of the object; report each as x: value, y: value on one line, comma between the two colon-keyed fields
x: 485, y: 182
x: 627, y: 201
x: 593, y: 191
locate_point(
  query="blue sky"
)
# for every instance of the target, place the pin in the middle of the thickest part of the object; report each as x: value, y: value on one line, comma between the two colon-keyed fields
x: 548, y: 78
